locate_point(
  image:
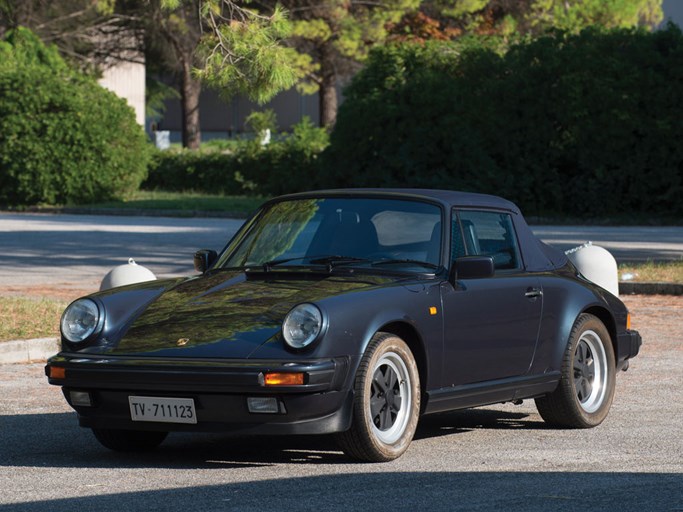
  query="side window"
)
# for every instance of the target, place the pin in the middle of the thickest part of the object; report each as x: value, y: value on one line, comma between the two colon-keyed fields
x: 490, y: 234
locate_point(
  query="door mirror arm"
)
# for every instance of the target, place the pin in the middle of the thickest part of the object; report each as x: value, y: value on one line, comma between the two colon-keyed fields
x: 203, y: 259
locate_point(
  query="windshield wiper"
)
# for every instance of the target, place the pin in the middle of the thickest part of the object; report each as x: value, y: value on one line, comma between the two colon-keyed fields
x: 330, y: 260
x: 337, y: 261
x: 268, y: 264
x: 404, y: 261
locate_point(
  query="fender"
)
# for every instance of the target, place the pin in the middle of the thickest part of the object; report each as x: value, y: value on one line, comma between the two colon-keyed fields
x: 408, y: 304
x: 570, y: 299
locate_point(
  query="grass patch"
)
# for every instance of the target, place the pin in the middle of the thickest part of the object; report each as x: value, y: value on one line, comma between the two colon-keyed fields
x: 652, y: 272
x: 26, y: 318
x: 188, y: 202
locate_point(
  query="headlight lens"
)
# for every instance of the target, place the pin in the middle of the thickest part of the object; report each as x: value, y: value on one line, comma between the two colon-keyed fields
x: 302, y: 325
x: 80, y: 320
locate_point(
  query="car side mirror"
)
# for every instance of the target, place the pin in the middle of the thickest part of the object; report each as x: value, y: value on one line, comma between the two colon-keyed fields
x: 471, y: 267
x: 203, y: 259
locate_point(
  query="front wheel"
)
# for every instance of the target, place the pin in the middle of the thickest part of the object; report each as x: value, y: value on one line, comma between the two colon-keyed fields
x: 584, y: 396
x: 129, y: 440
x: 386, y: 403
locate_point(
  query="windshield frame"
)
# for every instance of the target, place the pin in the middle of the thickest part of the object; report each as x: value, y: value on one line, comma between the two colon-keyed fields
x: 365, y: 266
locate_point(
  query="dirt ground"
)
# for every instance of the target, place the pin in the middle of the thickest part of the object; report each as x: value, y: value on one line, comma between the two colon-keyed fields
x: 657, y: 316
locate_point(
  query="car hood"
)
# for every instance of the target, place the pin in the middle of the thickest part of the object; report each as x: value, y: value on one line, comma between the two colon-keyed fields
x: 228, y: 314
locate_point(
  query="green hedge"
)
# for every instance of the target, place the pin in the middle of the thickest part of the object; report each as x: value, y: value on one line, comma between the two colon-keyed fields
x: 183, y: 170
x: 288, y: 164
x: 63, y: 138
x: 581, y: 125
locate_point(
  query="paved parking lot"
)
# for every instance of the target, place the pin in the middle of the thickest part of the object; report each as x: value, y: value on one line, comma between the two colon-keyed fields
x: 495, y: 458
x: 78, y: 250
x: 500, y: 457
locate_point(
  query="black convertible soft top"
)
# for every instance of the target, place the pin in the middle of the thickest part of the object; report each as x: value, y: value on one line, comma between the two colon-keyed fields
x: 538, y: 256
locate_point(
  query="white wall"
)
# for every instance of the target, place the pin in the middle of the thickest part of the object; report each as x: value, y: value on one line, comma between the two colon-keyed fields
x: 127, y: 80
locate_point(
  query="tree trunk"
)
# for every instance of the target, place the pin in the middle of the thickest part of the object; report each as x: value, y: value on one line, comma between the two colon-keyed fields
x: 189, y: 92
x: 327, y: 93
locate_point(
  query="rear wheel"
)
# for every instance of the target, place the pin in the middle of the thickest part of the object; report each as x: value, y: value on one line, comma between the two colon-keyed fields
x: 386, y: 404
x: 584, y: 396
x: 129, y: 440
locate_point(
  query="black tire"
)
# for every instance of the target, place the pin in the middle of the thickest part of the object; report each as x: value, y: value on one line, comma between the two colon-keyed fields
x: 129, y: 440
x: 383, y: 423
x: 586, y: 389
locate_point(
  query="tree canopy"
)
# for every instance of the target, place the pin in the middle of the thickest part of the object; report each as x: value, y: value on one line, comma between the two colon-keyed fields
x: 90, y: 34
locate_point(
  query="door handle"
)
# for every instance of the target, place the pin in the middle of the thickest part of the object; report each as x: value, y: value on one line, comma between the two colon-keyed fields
x: 533, y: 293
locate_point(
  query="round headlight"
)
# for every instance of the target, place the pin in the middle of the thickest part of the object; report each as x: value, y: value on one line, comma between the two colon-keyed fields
x: 80, y: 320
x: 302, y: 325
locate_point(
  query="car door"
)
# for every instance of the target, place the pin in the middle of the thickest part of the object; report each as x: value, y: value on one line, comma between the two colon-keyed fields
x: 490, y: 324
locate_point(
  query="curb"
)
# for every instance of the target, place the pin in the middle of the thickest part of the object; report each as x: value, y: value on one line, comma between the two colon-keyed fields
x: 628, y: 288
x: 28, y: 351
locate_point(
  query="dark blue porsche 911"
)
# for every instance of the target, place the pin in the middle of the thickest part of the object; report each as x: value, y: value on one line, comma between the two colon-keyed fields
x: 349, y: 312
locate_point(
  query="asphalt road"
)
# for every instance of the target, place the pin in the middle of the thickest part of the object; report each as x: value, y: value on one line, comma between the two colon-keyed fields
x: 495, y: 458
x: 500, y: 457
x: 77, y: 250
x: 626, y: 243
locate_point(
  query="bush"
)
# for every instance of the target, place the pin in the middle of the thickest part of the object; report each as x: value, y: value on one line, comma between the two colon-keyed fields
x: 287, y: 164
x: 582, y: 125
x: 63, y: 138
x: 178, y: 170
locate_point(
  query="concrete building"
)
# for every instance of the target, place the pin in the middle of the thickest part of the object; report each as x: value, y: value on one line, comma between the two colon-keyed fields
x: 127, y: 80
x: 222, y: 119
x: 673, y: 10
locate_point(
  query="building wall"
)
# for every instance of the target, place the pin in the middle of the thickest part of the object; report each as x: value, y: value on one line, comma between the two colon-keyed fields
x: 219, y: 118
x: 127, y: 80
x: 673, y: 10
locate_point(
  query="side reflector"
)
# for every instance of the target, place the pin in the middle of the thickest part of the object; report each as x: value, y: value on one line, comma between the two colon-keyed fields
x: 283, y: 379
x: 57, y: 372
x: 628, y: 321
x: 433, y: 311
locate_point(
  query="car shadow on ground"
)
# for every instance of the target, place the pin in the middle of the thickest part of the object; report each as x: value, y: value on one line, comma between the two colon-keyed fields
x: 56, y: 440
x: 393, y: 490
x: 454, y: 422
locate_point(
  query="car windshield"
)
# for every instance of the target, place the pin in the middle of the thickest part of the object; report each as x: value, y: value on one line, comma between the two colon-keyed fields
x: 341, y: 232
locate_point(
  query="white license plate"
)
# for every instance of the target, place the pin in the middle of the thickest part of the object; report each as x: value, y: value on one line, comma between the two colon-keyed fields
x: 164, y: 410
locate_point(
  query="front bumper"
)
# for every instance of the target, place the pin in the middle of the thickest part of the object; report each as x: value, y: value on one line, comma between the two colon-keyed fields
x: 219, y: 388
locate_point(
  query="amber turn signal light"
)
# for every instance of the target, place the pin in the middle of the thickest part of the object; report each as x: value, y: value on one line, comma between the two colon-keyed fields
x: 57, y: 372
x: 283, y: 379
x: 628, y: 321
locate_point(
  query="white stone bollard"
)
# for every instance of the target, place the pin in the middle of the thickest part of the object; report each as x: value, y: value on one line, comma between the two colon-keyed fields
x: 129, y: 273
